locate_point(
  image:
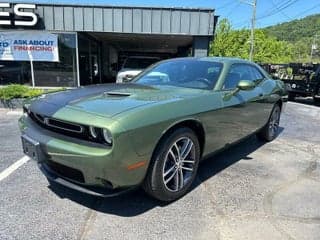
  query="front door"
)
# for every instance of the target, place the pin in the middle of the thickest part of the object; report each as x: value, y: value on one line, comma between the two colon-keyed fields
x: 243, y: 113
x: 240, y: 114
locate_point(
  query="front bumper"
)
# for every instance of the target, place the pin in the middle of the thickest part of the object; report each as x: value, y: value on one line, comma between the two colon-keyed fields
x: 95, y: 191
x: 94, y: 165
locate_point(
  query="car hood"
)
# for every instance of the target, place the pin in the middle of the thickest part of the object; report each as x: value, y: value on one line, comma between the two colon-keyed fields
x: 108, y: 100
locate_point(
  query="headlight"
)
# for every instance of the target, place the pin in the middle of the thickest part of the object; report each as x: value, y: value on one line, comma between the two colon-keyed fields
x: 107, y: 136
x: 93, y: 132
x: 100, y: 135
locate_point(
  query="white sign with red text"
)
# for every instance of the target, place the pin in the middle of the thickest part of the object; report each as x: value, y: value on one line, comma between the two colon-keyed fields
x: 29, y: 46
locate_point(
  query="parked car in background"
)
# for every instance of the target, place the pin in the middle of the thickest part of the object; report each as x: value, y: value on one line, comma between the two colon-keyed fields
x: 152, y: 132
x: 305, y: 82
x: 132, y: 66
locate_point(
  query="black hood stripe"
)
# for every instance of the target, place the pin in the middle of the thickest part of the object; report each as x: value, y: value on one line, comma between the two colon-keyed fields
x: 51, y: 103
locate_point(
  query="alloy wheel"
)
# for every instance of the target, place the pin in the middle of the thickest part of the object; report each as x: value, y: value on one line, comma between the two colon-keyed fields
x: 274, y: 122
x: 179, y: 163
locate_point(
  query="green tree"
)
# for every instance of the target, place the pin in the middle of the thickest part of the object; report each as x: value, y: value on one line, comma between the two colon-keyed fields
x: 236, y: 43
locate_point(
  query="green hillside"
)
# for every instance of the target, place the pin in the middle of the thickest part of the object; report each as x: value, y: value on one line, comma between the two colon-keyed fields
x: 294, y: 30
x: 301, y: 33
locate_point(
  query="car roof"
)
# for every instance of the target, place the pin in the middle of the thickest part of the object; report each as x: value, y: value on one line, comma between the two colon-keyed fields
x: 143, y: 57
x: 225, y: 59
x: 228, y: 60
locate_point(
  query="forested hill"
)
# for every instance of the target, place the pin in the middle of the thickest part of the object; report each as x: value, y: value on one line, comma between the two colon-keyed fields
x: 301, y: 34
x: 296, y: 30
x: 294, y: 41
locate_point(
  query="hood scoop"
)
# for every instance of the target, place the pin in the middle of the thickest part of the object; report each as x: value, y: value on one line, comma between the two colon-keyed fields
x: 118, y: 94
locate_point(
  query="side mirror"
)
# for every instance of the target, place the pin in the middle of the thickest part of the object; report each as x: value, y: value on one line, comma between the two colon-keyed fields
x: 246, y: 85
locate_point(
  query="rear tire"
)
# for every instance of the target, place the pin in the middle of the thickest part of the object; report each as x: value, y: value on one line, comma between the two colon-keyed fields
x: 270, y: 130
x: 291, y: 96
x: 316, y: 100
x: 174, y: 165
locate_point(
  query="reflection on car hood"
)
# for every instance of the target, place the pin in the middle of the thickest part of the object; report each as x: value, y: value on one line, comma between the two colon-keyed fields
x: 108, y: 100
x: 130, y: 70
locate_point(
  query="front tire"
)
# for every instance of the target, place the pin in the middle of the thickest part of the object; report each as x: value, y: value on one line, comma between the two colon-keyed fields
x: 174, y: 165
x: 270, y: 130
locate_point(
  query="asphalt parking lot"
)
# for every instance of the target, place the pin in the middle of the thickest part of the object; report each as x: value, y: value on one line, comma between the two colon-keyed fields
x: 250, y: 191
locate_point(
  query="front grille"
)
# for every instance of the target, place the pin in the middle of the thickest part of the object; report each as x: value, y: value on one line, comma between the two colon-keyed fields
x: 66, y: 128
x: 59, y: 126
x: 66, y: 172
x: 63, y: 125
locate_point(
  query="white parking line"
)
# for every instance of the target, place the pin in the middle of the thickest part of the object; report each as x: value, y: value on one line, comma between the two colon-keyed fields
x: 5, y: 173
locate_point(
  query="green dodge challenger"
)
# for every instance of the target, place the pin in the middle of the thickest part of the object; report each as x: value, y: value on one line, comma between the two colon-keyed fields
x: 151, y: 132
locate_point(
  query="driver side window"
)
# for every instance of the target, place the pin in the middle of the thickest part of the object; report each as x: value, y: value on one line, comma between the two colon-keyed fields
x: 239, y: 72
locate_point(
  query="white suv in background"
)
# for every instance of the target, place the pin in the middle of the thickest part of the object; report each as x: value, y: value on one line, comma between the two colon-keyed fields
x: 132, y: 66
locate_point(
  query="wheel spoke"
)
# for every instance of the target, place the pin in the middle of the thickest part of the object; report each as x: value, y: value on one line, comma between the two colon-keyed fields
x: 186, y: 149
x: 187, y: 168
x: 171, y: 176
x: 170, y: 170
x: 177, y: 149
x: 181, y: 178
x: 176, y: 181
x: 172, y: 155
x: 188, y: 161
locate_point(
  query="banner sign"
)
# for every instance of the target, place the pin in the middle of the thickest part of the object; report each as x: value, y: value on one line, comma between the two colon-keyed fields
x: 29, y: 46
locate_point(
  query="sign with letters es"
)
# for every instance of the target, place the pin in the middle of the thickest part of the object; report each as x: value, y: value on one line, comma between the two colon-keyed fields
x: 20, y: 11
x: 29, y: 46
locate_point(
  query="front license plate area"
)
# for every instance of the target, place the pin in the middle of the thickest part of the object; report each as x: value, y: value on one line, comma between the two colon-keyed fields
x: 31, y: 148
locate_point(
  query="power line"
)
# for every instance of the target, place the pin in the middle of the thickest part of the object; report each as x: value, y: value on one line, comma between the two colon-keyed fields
x: 235, y: 7
x: 309, y: 9
x: 226, y: 4
x: 242, y: 23
x: 272, y: 11
x: 273, y: 3
x: 279, y: 8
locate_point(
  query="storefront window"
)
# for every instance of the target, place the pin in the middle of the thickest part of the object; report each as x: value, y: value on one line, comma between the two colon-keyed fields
x: 13, y: 72
x: 59, y: 74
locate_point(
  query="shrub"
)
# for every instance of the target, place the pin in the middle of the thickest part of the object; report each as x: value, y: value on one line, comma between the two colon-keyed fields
x: 18, y: 91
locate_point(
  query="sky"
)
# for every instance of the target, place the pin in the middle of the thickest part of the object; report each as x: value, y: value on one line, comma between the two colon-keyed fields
x: 269, y: 12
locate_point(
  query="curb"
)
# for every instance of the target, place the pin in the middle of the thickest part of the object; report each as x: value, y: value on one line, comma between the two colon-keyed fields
x: 16, y: 103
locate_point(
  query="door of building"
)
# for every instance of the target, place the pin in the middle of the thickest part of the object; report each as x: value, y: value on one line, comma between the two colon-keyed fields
x: 89, y: 60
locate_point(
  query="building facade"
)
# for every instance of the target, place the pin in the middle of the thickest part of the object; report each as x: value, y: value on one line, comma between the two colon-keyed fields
x: 93, y: 41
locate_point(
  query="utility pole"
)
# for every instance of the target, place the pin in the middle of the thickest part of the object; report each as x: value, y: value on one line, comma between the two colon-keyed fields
x: 314, y: 46
x: 253, y: 23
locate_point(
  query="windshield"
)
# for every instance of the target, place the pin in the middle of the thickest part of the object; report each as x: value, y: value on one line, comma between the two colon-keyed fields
x: 139, y: 63
x: 189, y: 73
